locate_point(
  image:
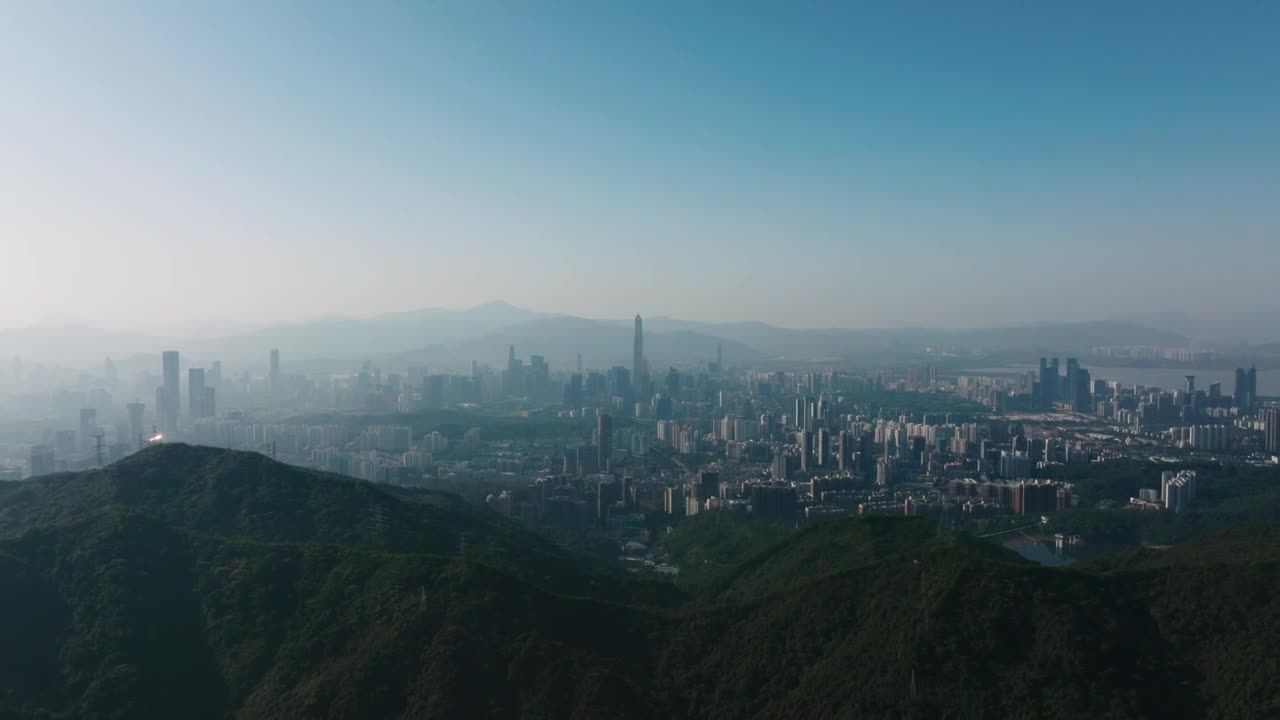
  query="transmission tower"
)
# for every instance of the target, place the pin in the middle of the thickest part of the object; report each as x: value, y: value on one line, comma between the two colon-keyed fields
x: 98, y: 441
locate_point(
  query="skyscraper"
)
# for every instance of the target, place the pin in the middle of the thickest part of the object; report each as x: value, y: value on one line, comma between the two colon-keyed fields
x: 42, y: 462
x: 1048, y: 382
x: 274, y: 376
x: 637, y: 353
x: 88, y: 427
x: 168, y: 399
x: 845, y: 450
x: 604, y: 428
x: 136, y: 410
x: 1246, y: 390
x: 195, y: 393
x: 1271, y: 429
x: 1069, y: 392
x: 804, y: 439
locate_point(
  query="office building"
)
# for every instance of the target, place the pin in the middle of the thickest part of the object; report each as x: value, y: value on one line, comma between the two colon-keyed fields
x: 1069, y: 391
x: 136, y: 427
x: 88, y: 428
x: 1048, y: 383
x: 42, y: 462
x: 168, y: 395
x: 200, y: 397
x: 1246, y: 390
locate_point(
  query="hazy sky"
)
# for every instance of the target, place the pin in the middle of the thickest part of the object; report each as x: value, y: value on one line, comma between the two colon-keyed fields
x: 801, y: 163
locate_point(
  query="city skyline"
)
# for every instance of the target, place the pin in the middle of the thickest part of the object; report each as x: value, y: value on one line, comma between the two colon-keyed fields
x: 595, y: 358
x: 1084, y: 160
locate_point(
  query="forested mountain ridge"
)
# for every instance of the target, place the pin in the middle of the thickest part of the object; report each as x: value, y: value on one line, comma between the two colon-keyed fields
x: 195, y: 582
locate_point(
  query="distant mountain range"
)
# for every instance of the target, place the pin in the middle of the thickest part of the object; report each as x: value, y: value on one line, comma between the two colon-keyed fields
x: 451, y: 339
x: 1240, y: 327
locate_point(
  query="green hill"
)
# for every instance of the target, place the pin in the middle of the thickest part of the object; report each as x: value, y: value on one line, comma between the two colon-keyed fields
x: 193, y: 582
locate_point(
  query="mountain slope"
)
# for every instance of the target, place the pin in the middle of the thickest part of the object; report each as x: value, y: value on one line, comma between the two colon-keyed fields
x: 247, y: 495
x: 195, y: 582
x: 148, y: 621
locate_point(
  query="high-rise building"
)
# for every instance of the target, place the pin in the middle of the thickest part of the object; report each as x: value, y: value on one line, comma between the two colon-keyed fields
x: 1048, y: 382
x: 1271, y: 429
x: 1177, y: 490
x: 804, y: 439
x: 200, y: 396
x: 274, y: 375
x: 1034, y: 496
x: 821, y: 446
x: 884, y: 472
x: 88, y: 428
x: 1084, y: 391
x: 1246, y: 390
x: 168, y: 397
x: 867, y: 456
x: 42, y: 460
x: 638, y: 371
x: 845, y: 450
x: 774, y: 502
x: 1070, y: 391
x: 604, y: 428
x: 673, y: 500
x: 136, y: 430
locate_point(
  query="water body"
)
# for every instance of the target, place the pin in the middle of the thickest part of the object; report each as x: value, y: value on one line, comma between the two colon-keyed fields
x: 1167, y: 378
x: 1042, y: 553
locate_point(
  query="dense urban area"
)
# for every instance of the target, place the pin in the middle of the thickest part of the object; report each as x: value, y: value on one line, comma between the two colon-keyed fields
x: 625, y: 454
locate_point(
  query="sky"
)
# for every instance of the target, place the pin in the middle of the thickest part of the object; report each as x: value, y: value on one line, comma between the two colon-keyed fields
x: 806, y: 164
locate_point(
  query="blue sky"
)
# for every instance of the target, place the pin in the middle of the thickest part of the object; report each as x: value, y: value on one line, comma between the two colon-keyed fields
x: 809, y: 164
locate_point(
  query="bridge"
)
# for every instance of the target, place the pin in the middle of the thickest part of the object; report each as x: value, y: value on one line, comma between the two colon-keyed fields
x: 1022, y: 530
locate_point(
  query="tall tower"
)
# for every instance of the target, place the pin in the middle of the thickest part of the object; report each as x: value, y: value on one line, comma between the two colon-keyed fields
x: 195, y: 388
x: 274, y: 377
x: 637, y: 352
x: 168, y: 399
x: 136, y: 411
x: 604, y: 448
